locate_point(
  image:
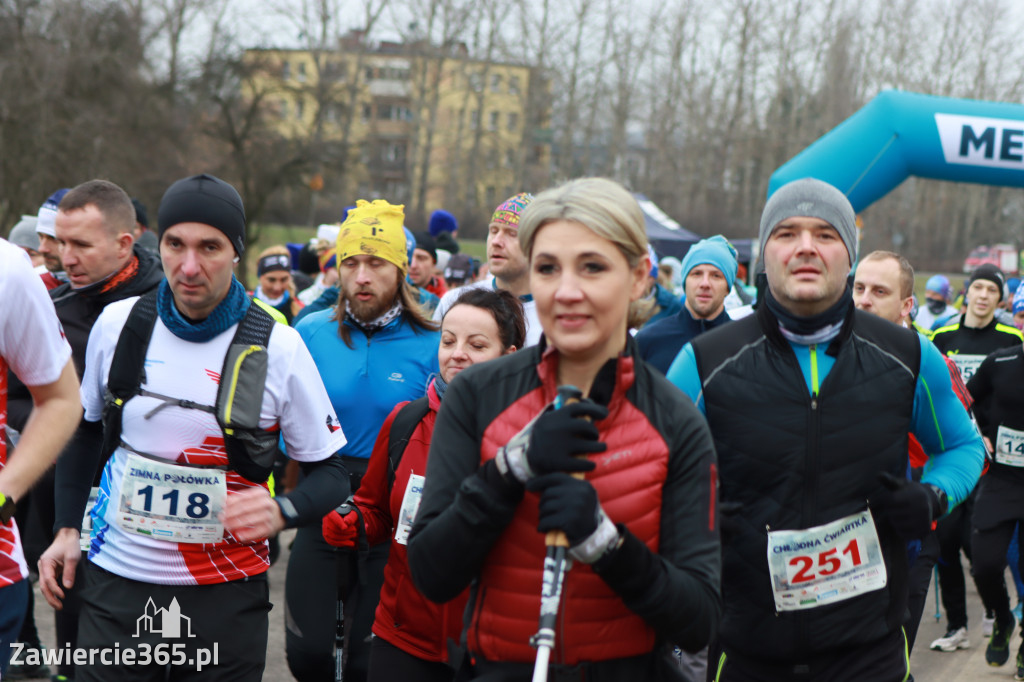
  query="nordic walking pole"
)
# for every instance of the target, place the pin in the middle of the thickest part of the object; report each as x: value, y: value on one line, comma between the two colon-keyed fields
x: 342, y: 580
x: 554, y: 572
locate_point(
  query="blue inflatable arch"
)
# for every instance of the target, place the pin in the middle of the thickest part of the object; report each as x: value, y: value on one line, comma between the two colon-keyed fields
x: 899, y: 134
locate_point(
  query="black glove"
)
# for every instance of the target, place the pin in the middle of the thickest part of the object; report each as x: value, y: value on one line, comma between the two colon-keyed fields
x: 570, y: 505
x: 566, y: 504
x: 909, y: 507
x: 550, y: 442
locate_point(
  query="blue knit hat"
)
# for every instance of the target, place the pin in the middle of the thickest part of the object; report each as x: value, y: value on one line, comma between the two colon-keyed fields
x: 442, y: 221
x: 1018, y: 299
x: 939, y: 284
x: 716, y: 251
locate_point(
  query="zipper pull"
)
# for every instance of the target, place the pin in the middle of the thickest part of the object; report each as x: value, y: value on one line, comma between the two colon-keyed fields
x: 814, y: 402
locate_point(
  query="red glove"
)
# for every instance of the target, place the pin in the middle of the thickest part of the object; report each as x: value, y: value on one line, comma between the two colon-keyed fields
x: 341, y: 531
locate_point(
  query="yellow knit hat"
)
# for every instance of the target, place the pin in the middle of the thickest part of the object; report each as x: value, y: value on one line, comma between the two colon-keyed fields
x: 374, y: 229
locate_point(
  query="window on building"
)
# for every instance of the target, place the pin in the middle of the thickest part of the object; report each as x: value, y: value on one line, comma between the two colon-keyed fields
x: 496, y: 83
x: 492, y: 159
x: 476, y: 81
x: 301, y: 72
x: 369, y: 73
x: 493, y: 123
x: 474, y: 119
x: 513, y: 122
x: 393, y: 112
x: 300, y: 108
x: 282, y: 108
x: 286, y: 70
x: 367, y: 113
x: 513, y: 85
x: 510, y: 158
x: 490, y: 196
x: 396, y: 190
x: 333, y: 71
x: 392, y: 152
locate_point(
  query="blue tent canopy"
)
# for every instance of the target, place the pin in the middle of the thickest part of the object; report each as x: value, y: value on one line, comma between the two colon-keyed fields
x: 669, y: 238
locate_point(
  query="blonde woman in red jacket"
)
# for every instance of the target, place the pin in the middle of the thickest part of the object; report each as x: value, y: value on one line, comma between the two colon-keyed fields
x: 411, y: 632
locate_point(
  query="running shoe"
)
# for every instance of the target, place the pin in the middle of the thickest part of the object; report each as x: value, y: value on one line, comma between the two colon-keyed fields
x: 952, y: 640
x: 998, y: 650
x: 986, y: 624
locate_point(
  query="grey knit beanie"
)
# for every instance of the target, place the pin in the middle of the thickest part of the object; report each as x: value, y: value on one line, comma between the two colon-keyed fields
x: 811, y: 198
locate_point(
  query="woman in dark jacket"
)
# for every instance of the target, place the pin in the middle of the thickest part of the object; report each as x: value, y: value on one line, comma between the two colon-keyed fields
x: 640, y: 521
x: 412, y: 632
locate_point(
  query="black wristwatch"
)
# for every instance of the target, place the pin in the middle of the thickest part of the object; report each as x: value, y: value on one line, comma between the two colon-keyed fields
x: 6, y: 508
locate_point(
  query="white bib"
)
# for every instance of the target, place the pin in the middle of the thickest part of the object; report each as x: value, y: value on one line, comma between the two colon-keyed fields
x: 85, y: 537
x: 825, y: 564
x: 1010, y: 447
x: 172, y: 502
x: 410, y: 505
x: 967, y: 364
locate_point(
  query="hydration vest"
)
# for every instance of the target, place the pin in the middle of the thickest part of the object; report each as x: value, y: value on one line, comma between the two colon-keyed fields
x: 250, y: 449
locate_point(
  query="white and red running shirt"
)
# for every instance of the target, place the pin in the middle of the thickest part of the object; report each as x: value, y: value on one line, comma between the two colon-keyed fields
x: 294, y: 401
x: 32, y: 345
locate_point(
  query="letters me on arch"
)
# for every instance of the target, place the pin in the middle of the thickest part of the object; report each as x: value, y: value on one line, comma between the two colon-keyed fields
x: 898, y: 134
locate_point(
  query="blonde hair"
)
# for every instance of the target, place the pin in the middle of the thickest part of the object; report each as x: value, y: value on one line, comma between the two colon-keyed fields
x: 604, y: 207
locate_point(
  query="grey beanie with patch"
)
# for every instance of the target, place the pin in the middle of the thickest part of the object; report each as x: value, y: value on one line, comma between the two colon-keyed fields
x: 811, y: 198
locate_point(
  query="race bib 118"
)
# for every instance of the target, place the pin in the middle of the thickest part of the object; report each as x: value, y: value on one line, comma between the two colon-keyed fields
x: 168, y: 501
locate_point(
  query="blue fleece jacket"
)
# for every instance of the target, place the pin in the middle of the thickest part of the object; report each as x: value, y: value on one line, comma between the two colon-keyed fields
x: 365, y: 383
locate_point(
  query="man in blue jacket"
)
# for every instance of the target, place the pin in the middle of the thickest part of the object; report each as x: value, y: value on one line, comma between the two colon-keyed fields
x: 374, y: 350
x: 810, y: 402
x: 708, y: 271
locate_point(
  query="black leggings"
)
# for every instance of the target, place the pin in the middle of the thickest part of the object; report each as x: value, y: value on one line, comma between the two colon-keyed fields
x: 389, y: 663
x: 311, y: 597
x: 919, y: 579
x: 954, y: 535
x: 989, y: 548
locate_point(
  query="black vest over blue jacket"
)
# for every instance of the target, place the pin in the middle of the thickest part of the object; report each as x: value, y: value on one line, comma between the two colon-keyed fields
x: 790, y: 461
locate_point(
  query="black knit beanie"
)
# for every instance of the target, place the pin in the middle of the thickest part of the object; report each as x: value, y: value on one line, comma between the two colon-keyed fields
x: 992, y: 274
x: 208, y: 200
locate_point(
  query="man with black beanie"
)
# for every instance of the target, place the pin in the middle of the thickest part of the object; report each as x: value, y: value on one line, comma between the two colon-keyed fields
x: 968, y: 340
x: 423, y: 266
x: 810, y: 402
x: 178, y: 543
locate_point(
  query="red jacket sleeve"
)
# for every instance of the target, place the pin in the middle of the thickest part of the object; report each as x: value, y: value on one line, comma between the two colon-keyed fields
x: 373, y: 496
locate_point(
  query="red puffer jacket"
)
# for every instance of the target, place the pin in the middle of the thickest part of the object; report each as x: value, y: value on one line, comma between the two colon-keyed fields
x: 405, y: 618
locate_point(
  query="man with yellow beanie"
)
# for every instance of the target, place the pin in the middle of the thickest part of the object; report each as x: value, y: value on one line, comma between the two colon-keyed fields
x: 374, y: 350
